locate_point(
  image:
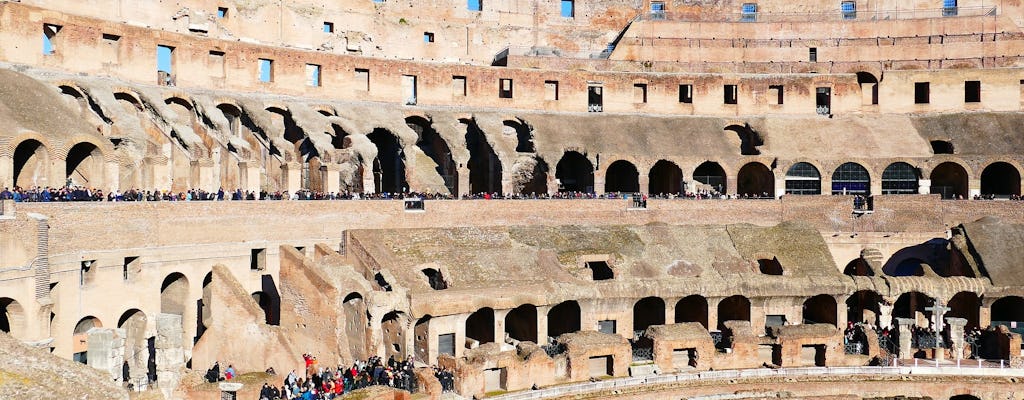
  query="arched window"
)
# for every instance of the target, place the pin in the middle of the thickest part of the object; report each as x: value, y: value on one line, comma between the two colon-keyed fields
x: 851, y: 179
x: 803, y: 178
x: 899, y: 178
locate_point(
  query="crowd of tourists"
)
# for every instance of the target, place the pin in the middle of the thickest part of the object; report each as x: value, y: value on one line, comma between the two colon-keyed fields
x: 324, y: 383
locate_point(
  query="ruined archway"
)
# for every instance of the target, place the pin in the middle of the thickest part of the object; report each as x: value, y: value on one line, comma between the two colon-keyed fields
x: 524, y: 136
x: 137, y: 349
x: 622, y: 176
x: 803, y: 179
x: 484, y: 165
x: 521, y: 323
x: 392, y: 329
x: 863, y: 306
x: 174, y: 294
x: 858, y: 267
x: 389, y: 165
x: 356, y: 322
x: 913, y: 305
x: 820, y: 309
x: 665, y: 178
x: 900, y: 178
x: 693, y: 308
x: 84, y: 165
x: 434, y: 146
x: 851, y: 179
x: 1008, y: 309
x: 711, y: 174
x: 480, y: 325
x: 949, y: 179
x: 966, y: 305
x: 564, y: 318
x: 575, y: 173
x: 80, y: 338
x: 537, y: 181
x: 755, y: 180
x: 12, y: 317
x: 31, y: 164
x: 909, y: 267
x: 1000, y: 179
x: 733, y: 308
x: 203, y: 315
x: 646, y: 312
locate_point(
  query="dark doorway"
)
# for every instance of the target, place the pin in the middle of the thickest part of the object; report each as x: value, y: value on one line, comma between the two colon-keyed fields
x: 692, y: 308
x: 820, y: 309
x: 575, y: 173
x: 480, y: 325
x: 564, y: 318
x: 733, y: 308
x: 435, y: 147
x: 1000, y: 179
x: 711, y: 174
x: 521, y: 323
x: 949, y: 179
x: 755, y: 180
x: 622, y: 176
x: 389, y: 166
x: 484, y: 165
x: 665, y: 178
x: 646, y: 312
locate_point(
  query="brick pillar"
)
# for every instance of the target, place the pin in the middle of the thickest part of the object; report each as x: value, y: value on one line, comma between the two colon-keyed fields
x: 499, y: 325
x: 202, y: 171
x: 292, y: 173
x: 542, y: 324
x: 249, y: 176
x: 170, y: 351
x: 332, y: 174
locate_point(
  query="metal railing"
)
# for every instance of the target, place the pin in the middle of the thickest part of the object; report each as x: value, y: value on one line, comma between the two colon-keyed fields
x: 837, y: 15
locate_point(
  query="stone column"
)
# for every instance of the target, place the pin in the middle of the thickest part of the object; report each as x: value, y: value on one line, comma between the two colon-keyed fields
x: 974, y: 187
x: 542, y: 324
x: 924, y: 186
x: 292, y: 173
x: 463, y: 180
x: 599, y: 178
x: 499, y: 325
x: 780, y: 183
x: 6, y: 172
x: 713, y: 313
x: 170, y: 352
x: 876, y: 185
x: 731, y: 185
x: 956, y: 336
x: 249, y: 176
x: 905, y: 334
x: 159, y: 176
x: 203, y: 171
x: 885, y: 315
x: 111, y: 177
x: 106, y: 350
x: 332, y: 182
x: 58, y: 168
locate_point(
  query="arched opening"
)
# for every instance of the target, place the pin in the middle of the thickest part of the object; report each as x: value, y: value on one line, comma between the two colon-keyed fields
x: 900, y: 178
x: 769, y: 266
x: 84, y: 165
x: 750, y: 140
x: 537, y: 181
x: 711, y: 174
x: 949, y: 179
x: 942, y: 147
x: 868, y: 87
x: 913, y: 305
x: 863, y: 306
x: 12, y: 317
x: 1000, y: 179
x: 392, y: 329
x: 851, y: 179
x: 755, y: 180
x: 575, y: 173
x: 484, y: 165
x: 803, y: 179
x: 480, y: 325
x: 389, y: 165
x: 521, y: 323
x: 600, y: 271
x: 80, y: 338
x: 693, y: 308
x: 564, y: 318
x: 820, y: 309
x: 422, y: 339
x: 137, y: 350
x: 203, y: 314
x: 267, y: 303
x: 234, y: 117
x: 858, y: 267
x: 965, y: 305
x: 356, y: 323
x: 665, y: 178
x: 31, y: 164
x: 646, y: 312
x: 435, y: 147
x: 964, y: 397
x: 733, y: 308
x: 174, y: 294
x: 909, y: 267
x: 622, y: 176
x: 338, y: 137
x: 1008, y: 309
x: 524, y: 136
x: 435, y: 279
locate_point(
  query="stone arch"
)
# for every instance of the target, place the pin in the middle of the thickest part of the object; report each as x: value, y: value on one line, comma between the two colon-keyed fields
x: 437, y: 149
x: 851, y: 178
x: 900, y: 178
x: 693, y: 308
x: 85, y: 164
x: 12, y: 317
x: 665, y: 178
x: 521, y: 323
x: 129, y: 99
x: 31, y: 164
x: 913, y: 305
x: 820, y: 309
x: 435, y: 278
x: 756, y: 180
x: 356, y: 323
x: 389, y: 165
x: 966, y: 305
x: 1000, y: 179
x: 910, y: 266
x: 80, y: 337
x: 564, y: 318
x: 949, y: 179
x: 285, y: 127
x: 868, y: 86
x: 733, y: 308
x: 524, y: 135
x: 575, y: 173
x: 174, y: 294
x: 484, y: 165
x: 964, y: 397
x: 646, y: 312
x: 749, y: 139
x: 537, y: 181
x: 204, y: 317
x: 75, y: 97
x: 136, y: 349
x: 1008, y: 309
x: 863, y: 306
x: 858, y: 267
x: 712, y: 174
x: 392, y: 329
x: 803, y: 178
x: 480, y: 325
x: 622, y: 176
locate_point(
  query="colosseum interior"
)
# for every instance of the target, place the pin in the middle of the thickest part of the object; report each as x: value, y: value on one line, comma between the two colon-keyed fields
x: 630, y: 199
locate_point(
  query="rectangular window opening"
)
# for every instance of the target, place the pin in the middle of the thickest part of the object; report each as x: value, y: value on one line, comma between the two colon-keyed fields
x: 730, y: 95
x: 505, y: 88
x: 459, y: 86
x: 949, y: 8
x: 409, y: 89
x: 87, y: 272
x: 328, y: 27
x: 823, y: 100
x: 111, y: 38
x: 775, y: 93
x: 475, y: 5
x: 222, y: 12
x: 849, y: 9
x: 595, y: 98
x: 216, y: 63
x: 428, y: 37
x: 686, y: 93
x: 749, y: 12
x: 606, y: 326
x: 266, y: 70
x: 258, y: 259
x: 550, y: 90
x: 972, y: 91
x: 812, y: 54
x: 363, y: 79
x: 639, y: 92
x: 313, y: 75
x: 568, y: 9
x: 921, y: 93
x: 165, y: 65
x: 131, y: 267
x: 50, y: 32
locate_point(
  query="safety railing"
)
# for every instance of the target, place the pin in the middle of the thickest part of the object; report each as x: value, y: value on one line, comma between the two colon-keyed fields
x: 837, y: 15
